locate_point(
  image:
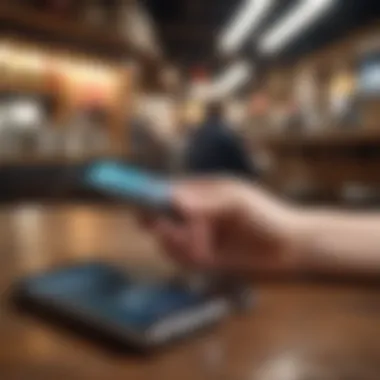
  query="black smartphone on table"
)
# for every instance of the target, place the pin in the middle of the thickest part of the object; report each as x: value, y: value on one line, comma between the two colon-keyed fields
x: 132, y: 312
x: 135, y: 312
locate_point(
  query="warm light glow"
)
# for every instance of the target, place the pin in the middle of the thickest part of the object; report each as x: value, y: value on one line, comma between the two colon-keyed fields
x: 138, y: 28
x: 19, y: 58
x: 224, y: 85
x: 234, y: 77
x: 25, y: 114
x: 246, y: 21
x: 90, y: 73
x: 30, y: 59
x: 293, y: 23
x: 201, y: 91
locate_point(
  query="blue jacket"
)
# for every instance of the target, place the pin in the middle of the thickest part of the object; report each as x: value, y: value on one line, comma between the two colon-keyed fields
x: 216, y: 148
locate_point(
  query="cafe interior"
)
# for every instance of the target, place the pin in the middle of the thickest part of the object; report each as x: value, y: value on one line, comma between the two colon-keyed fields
x: 129, y: 81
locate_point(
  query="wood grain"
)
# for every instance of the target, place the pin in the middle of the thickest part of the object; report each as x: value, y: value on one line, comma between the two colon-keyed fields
x: 298, y: 331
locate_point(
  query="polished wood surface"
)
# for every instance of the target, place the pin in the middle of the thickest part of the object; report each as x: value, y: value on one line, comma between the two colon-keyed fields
x: 298, y: 331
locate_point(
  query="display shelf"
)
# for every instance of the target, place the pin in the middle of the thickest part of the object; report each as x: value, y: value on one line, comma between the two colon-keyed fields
x: 53, y: 26
x: 349, y: 137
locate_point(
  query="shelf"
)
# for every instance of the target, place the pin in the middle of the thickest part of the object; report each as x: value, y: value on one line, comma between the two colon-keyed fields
x: 353, y: 137
x: 69, y: 30
x: 25, y: 161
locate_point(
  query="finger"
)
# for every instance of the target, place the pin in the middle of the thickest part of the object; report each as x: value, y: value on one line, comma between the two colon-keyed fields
x: 210, y: 198
x: 235, y: 261
x: 201, y: 245
x: 145, y: 220
x: 189, y: 244
x: 174, y: 240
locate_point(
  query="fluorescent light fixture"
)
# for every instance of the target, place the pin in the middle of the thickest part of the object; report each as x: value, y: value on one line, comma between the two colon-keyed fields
x: 225, y: 84
x: 234, y: 77
x: 292, y: 24
x: 247, y: 19
x: 138, y: 28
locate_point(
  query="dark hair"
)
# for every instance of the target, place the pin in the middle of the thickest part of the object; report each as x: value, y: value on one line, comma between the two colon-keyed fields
x: 214, y: 110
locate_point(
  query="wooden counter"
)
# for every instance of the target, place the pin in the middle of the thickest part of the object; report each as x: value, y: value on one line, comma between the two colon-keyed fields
x: 316, y: 331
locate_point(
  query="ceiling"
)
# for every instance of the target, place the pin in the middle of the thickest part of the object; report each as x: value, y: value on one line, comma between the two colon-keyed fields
x: 188, y: 29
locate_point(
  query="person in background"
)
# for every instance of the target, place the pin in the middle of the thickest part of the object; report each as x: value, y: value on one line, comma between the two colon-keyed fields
x: 215, y: 148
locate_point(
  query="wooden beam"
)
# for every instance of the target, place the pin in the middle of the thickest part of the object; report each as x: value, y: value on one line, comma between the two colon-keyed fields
x: 49, y: 24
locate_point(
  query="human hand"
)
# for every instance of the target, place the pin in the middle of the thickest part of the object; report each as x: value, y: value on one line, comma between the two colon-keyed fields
x: 230, y: 226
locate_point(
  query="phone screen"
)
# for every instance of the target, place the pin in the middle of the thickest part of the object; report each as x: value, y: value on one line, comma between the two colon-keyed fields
x: 128, y: 182
x: 141, y: 305
x: 107, y: 294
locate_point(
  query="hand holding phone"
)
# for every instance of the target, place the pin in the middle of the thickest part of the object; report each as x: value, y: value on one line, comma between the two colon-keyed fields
x: 155, y: 195
x: 129, y: 184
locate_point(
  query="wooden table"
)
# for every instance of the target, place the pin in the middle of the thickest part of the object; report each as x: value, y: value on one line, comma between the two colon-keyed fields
x: 297, y: 332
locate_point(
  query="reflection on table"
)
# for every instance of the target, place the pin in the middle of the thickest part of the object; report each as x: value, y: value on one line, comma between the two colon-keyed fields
x: 328, y: 331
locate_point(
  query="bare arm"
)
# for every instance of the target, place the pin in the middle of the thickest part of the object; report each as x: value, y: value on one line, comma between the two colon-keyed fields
x: 232, y: 225
x: 340, y: 241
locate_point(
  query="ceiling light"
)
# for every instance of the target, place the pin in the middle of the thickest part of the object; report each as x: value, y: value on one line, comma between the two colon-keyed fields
x: 247, y: 18
x: 234, y: 77
x: 138, y: 28
x: 293, y: 23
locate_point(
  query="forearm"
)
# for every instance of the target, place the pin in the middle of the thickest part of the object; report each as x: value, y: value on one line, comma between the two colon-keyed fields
x: 340, y: 242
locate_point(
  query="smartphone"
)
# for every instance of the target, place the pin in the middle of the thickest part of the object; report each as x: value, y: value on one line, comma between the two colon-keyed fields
x: 106, y: 300
x: 119, y: 181
x: 131, y: 184
x: 133, y: 312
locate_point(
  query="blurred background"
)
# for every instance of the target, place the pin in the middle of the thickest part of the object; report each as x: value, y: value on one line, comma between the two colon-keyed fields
x: 299, y: 85
x: 299, y: 81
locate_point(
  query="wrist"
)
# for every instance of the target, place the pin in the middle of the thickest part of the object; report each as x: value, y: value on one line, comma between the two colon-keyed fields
x: 311, y: 240
x: 300, y: 230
